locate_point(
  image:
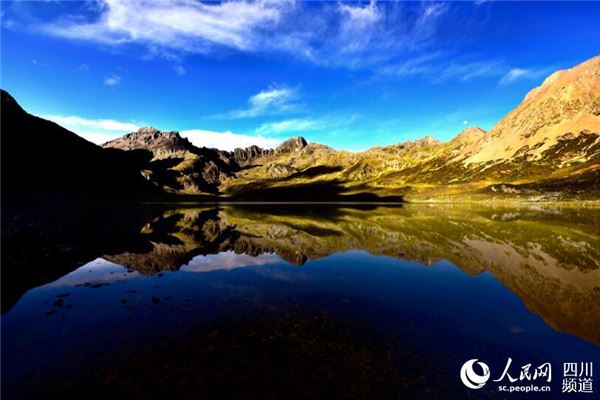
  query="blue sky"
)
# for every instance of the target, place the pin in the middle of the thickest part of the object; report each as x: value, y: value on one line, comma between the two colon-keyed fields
x: 347, y: 74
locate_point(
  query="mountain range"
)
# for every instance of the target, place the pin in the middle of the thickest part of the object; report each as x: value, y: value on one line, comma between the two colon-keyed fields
x: 547, y: 148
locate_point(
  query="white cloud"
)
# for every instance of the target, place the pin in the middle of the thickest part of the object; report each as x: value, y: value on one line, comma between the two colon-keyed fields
x: 439, y: 70
x: 179, y: 70
x: 102, y: 124
x: 186, y: 25
x: 433, y: 11
x: 421, y: 65
x: 360, y: 16
x: 100, y: 131
x: 290, y: 125
x: 82, y: 68
x: 6, y: 23
x: 357, y: 26
x: 226, y: 140
x: 465, y: 72
x: 394, y: 39
x: 465, y: 122
x: 376, y: 35
x: 357, y: 35
x: 95, y: 130
x: 112, y: 80
x: 273, y: 101
x: 515, y: 74
x: 303, y: 125
x: 35, y: 61
x: 98, y: 138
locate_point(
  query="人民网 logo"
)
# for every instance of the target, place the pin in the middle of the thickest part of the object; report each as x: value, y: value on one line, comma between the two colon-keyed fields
x: 472, y: 379
x: 577, y: 377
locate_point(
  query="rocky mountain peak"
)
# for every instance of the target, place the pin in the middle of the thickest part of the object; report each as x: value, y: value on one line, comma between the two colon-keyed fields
x: 472, y: 130
x: 427, y: 141
x: 291, y: 145
x: 565, y: 83
x: 148, y: 130
x: 245, y: 155
x: 469, y: 134
x: 162, y: 144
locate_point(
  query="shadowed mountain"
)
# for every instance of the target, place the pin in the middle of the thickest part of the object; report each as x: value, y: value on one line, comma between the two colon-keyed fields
x: 42, y: 242
x: 39, y: 156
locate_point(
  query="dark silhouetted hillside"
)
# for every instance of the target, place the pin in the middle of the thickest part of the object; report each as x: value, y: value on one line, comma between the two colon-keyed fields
x: 39, y: 156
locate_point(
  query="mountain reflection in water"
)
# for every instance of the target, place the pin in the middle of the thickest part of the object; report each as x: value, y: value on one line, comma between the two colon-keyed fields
x: 376, y: 300
x: 549, y: 258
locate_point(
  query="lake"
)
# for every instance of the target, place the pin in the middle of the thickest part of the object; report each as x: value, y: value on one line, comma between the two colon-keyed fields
x: 295, y: 301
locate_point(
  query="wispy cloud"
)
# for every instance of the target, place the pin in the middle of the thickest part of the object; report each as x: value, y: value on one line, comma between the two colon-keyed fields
x: 226, y: 140
x: 357, y: 26
x: 186, y: 25
x: 392, y: 39
x: 306, y: 125
x: 424, y: 64
x: 374, y: 36
x: 271, y: 101
x: 95, y: 130
x: 103, y: 124
x: 7, y: 23
x: 515, y: 74
x: 35, y: 61
x: 112, y: 80
x: 439, y: 69
x: 179, y: 70
x: 82, y: 68
x: 289, y: 125
x: 467, y: 71
x: 358, y: 35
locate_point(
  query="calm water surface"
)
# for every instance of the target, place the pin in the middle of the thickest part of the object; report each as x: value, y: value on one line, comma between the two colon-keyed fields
x: 293, y: 301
